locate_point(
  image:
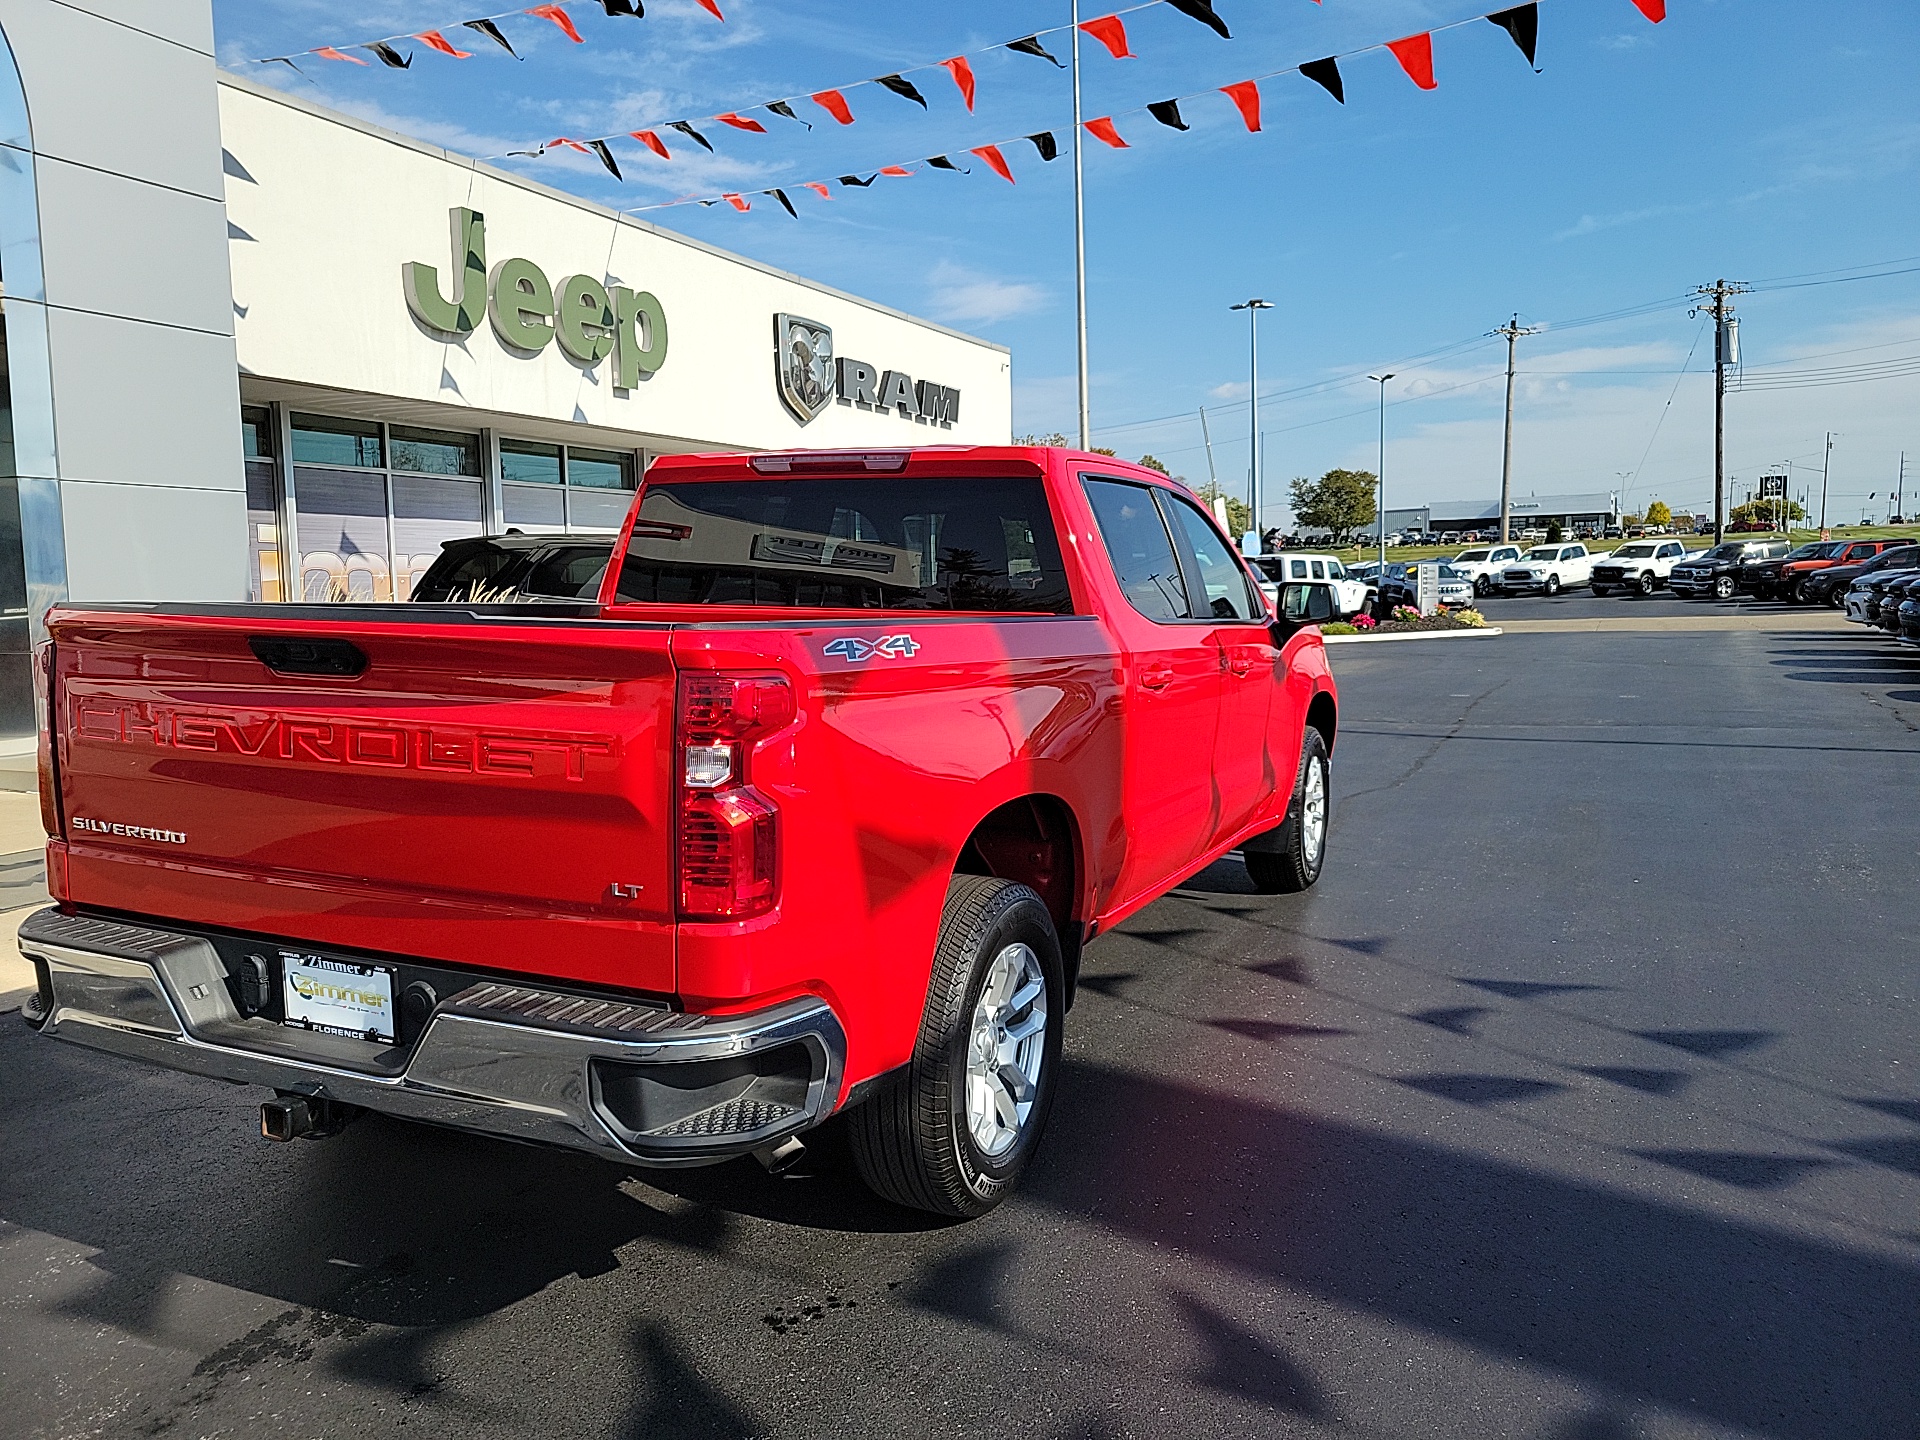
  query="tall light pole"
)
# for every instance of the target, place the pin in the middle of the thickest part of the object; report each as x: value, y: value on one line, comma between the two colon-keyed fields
x: 1253, y: 309
x: 1380, y: 510
x: 1825, y: 465
x: 1079, y: 237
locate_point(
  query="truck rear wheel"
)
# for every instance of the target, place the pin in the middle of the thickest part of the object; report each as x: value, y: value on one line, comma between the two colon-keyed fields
x: 953, y: 1130
x: 1647, y: 582
x: 1302, y: 851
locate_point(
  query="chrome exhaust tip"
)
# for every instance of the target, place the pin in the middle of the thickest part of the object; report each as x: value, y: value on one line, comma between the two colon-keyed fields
x: 782, y: 1155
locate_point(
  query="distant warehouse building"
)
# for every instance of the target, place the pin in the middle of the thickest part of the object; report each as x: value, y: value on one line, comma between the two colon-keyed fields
x: 1572, y: 513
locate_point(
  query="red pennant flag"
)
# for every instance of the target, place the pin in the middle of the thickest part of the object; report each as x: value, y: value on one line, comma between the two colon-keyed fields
x: 559, y: 17
x: 332, y: 54
x: 652, y: 142
x: 714, y: 10
x: 962, y: 74
x: 1246, y: 95
x: 1102, y: 129
x: 1111, y: 33
x: 818, y: 188
x: 835, y: 104
x: 741, y: 122
x: 437, y: 41
x: 738, y: 202
x: 563, y: 140
x: 895, y: 170
x: 1654, y: 10
x: 1415, y: 54
x: 991, y: 154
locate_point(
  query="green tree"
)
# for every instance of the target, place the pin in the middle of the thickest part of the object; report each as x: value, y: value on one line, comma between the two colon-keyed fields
x: 1340, y: 501
x: 1152, y: 464
x: 1659, y: 514
x: 1554, y: 533
x: 1052, y: 438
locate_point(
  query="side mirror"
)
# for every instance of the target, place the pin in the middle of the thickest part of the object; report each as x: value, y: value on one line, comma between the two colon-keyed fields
x: 1302, y: 605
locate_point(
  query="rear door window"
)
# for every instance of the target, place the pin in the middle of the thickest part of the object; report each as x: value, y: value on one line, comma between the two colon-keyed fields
x: 1228, y: 596
x: 1319, y: 570
x: 970, y: 543
x: 1140, y: 548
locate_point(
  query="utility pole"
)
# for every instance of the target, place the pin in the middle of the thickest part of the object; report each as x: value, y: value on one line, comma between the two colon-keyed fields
x: 1380, y: 509
x: 1207, y: 436
x: 1513, y: 331
x: 1900, y: 489
x: 1726, y: 352
x: 1825, y: 465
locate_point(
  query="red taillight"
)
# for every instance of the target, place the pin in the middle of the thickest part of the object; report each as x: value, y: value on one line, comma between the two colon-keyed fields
x: 728, y: 830
x: 43, y: 749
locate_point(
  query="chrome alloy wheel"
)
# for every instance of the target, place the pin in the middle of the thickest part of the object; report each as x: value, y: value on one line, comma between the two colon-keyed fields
x: 1006, y: 1046
x: 1313, y: 813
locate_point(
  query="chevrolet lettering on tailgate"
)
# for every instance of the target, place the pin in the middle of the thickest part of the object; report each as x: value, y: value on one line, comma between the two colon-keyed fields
x: 392, y: 747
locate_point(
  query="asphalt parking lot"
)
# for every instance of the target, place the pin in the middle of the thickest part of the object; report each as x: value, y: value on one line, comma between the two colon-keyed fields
x: 1578, y: 1102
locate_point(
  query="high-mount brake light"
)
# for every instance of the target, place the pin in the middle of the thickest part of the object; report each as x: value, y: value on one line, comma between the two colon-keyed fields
x: 882, y: 462
x: 728, y: 841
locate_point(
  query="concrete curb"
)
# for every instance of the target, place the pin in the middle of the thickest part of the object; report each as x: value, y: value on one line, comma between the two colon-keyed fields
x: 1465, y: 632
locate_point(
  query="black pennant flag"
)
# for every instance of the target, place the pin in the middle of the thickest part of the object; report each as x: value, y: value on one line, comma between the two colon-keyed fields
x: 283, y: 60
x: 692, y: 134
x: 941, y: 162
x: 1326, y: 73
x: 389, y: 56
x: 599, y: 148
x: 856, y: 180
x: 781, y: 107
x: 492, y: 32
x: 1523, y: 24
x: 623, y: 7
x: 902, y: 87
x: 785, y: 203
x: 1202, y: 10
x: 1045, y: 144
x: 1032, y: 46
x: 1167, y: 112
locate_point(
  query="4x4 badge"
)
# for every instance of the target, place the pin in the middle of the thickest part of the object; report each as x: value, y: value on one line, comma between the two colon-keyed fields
x: 888, y: 647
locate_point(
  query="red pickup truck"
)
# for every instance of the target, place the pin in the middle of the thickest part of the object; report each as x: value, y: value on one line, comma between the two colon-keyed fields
x: 813, y: 809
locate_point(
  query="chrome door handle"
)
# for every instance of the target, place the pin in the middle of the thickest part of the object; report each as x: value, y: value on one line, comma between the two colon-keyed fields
x: 1157, y: 678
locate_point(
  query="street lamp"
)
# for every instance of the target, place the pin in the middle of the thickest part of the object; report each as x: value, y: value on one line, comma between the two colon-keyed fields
x: 1253, y: 309
x: 1380, y: 580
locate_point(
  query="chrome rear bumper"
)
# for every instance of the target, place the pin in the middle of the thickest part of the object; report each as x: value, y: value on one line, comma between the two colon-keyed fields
x: 634, y: 1082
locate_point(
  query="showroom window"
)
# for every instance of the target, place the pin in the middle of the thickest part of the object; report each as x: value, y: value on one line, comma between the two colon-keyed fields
x: 545, y: 487
x: 373, y: 503
x: 260, y: 446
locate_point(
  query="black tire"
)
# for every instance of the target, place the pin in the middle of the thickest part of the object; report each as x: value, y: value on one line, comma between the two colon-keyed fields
x: 1298, y: 862
x: 1481, y: 586
x: 1798, y: 595
x: 1600, y: 590
x: 1553, y: 585
x: 1723, y: 587
x: 910, y: 1140
x: 1647, y: 583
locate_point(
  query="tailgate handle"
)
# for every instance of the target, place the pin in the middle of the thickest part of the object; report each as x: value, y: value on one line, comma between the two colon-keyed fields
x: 293, y: 655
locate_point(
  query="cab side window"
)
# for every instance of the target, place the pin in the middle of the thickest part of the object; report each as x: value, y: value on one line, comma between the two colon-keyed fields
x: 1225, y: 582
x: 1319, y: 570
x: 1140, y: 548
x: 1297, y: 569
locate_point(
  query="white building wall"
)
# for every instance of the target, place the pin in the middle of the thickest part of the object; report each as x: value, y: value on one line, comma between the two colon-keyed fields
x: 138, y: 304
x: 326, y: 211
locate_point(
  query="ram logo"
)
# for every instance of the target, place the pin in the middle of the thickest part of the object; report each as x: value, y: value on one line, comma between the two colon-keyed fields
x: 888, y: 647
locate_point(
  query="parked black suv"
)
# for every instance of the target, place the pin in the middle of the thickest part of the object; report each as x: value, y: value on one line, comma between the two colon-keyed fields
x: 505, y: 569
x: 1713, y: 573
x: 1830, y: 586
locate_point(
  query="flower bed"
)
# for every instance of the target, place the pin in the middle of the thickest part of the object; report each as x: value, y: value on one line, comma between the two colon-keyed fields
x: 1413, y: 621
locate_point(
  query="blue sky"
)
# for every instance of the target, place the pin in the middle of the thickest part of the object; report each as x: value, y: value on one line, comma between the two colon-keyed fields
x: 1752, y: 139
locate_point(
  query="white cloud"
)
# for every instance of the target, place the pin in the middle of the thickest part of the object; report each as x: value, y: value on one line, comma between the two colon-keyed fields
x: 969, y: 297
x: 1232, y: 390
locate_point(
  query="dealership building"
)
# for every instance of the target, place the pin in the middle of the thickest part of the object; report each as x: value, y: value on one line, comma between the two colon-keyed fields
x: 255, y: 349
x: 1595, y: 510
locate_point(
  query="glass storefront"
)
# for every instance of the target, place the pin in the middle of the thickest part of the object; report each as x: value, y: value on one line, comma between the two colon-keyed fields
x: 372, y: 502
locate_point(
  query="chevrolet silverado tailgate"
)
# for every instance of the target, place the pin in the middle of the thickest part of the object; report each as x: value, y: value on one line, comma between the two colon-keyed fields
x: 482, y: 787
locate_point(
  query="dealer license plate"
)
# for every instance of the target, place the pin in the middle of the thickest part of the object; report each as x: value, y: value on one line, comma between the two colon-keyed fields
x: 337, y: 997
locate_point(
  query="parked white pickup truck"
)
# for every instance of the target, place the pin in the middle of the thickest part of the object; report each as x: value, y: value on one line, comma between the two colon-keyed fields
x: 1350, y: 595
x: 1642, y: 565
x: 1548, y: 569
x: 1483, y: 566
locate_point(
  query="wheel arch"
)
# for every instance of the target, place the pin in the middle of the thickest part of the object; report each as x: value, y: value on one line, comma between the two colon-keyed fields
x: 1323, y: 715
x: 1035, y: 839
